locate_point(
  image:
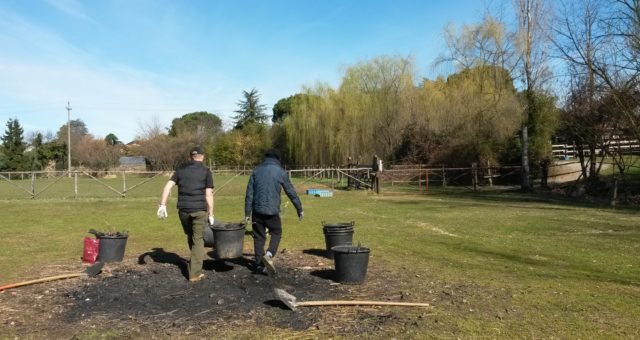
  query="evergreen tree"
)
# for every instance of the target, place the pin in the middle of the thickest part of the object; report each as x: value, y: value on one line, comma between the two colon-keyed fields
x: 250, y: 110
x: 112, y: 139
x: 13, y: 147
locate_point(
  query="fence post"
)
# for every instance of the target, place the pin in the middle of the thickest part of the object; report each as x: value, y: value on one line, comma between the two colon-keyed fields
x: 33, y: 185
x: 331, y: 173
x: 124, y: 184
x: 490, y: 174
x: 444, y: 177
x: 75, y: 185
x: 474, y: 169
x: 426, y: 180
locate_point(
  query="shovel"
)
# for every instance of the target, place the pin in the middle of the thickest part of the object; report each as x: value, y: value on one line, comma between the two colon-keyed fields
x: 91, y: 271
x: 290, y: 301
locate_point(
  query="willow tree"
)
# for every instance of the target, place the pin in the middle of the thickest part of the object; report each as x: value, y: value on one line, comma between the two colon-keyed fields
x: 308, y: 124
x: 481, y: 103
x: 479, y: 116
x: 382, y: 89
x: 364, y: 116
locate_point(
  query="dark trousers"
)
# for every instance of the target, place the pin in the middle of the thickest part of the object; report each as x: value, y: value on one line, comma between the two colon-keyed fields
x: 262, y: 223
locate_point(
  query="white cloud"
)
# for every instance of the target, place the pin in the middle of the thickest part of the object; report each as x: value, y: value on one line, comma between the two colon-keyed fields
x: 41, y: 70
x: 107, y: 99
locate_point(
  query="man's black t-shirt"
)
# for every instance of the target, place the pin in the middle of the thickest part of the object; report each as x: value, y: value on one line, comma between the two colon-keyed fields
x: 192, y: 180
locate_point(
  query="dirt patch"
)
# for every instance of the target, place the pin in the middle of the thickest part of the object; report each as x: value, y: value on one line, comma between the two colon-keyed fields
x: 151, y: 297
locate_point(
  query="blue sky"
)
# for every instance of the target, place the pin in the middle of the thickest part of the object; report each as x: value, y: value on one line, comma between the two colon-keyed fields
x: 125, y: 63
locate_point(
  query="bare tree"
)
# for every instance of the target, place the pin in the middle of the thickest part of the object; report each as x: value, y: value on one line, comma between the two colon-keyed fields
x: 150, y: 129
x: 580, y: 43
x: 95, y: 154
x: 533, y: 71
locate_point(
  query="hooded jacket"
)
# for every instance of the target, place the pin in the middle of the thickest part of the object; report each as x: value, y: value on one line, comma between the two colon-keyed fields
x: 263, y: 190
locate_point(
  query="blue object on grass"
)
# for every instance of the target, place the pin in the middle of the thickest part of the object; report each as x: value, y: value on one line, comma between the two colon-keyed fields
x: 320, y: 192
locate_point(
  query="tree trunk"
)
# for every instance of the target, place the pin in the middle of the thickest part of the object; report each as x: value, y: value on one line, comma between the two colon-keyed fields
x: 526, y: 184
x: 583, y: 166
x: 593, y: 175
x: 614, y: 196
x: 544, y: 169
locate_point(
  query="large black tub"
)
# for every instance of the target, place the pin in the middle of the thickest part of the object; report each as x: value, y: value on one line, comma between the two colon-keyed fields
x: 228, y: 240
x: 351, y: 264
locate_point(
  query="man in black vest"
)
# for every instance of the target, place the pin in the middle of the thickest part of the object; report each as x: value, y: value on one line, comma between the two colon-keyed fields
x: 195, y: 206
x: 262, y: 206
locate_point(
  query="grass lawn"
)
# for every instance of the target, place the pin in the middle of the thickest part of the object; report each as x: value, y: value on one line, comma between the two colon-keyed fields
x: 528, y: 266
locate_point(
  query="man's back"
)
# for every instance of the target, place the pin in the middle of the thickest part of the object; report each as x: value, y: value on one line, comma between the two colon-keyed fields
x: 192, y: 180
x: 263, y: 190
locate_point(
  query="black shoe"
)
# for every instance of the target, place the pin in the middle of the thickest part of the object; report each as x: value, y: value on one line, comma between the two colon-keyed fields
x: 258, y: 269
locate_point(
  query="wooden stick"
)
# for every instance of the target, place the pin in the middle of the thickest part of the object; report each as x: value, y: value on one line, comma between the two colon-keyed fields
x: 46, y: 279
x: 360, y: 303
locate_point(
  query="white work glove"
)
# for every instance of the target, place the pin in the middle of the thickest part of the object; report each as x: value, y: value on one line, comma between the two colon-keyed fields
x: 162, y: 212
x: 211, y: 220
x: 300, y: 215
x: 247, y: 220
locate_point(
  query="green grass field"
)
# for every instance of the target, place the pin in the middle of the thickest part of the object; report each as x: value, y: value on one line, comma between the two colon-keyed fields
x: 563, y: 269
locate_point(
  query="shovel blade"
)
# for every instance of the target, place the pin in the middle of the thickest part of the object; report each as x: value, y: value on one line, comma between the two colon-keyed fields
x: 94, y: 269
x: 285, y: 297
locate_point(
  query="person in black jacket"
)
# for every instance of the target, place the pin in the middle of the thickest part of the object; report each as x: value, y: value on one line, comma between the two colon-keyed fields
x: 262, y: 207
x: 195, y: 206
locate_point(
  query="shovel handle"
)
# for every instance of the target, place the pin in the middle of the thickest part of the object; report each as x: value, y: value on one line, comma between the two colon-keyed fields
x: 45, y: 279
x: 360, y: 303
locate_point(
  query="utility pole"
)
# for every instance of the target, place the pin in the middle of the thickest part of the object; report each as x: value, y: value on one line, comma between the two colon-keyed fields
x: 69, y: 138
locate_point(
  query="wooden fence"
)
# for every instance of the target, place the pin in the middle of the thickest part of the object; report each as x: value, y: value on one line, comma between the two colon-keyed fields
x: 66, y: 184
x: 624, y: 146
x: 402, y: 178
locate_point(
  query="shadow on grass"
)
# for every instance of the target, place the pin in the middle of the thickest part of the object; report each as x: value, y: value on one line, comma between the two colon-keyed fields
x: 550, y: 269
x: 159, y: 255
x: 516, y: 199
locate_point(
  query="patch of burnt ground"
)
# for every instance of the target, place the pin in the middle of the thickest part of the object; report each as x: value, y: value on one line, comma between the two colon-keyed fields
x: 155, y: 293
x: 152, y: 297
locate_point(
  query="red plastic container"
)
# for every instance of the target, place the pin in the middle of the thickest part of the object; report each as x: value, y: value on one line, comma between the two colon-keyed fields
x: 91, y: 249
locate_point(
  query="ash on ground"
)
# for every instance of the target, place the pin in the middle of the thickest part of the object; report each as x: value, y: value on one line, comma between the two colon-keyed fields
x: 157, y: 293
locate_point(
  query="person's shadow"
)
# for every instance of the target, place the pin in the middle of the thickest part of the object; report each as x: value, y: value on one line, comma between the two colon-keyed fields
x: 316, y: 252
x: 159, y: 255
x: 226, y: 264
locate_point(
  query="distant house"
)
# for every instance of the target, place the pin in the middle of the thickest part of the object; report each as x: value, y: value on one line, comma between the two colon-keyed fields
x: 132, y: 163
x: 134, y: 143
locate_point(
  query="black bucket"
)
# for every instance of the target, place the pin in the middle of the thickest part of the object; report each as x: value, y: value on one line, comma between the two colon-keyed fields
x: 351, y: 264
x: 228, y: 239
x: 337, y: 239
x: 111, y: 248
x: 337, y: 234
x: 334, y: 227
